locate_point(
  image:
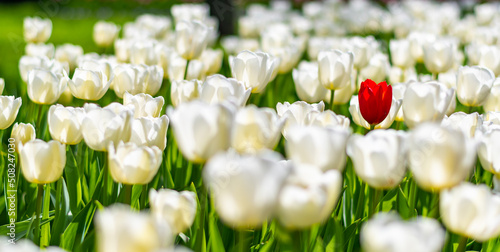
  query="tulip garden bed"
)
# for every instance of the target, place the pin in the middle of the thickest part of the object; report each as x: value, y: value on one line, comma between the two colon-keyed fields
x: 322, y: 126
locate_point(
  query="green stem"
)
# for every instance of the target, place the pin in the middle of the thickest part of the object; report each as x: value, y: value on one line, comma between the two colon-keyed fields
x: 144, y: 197
x: 39, y: 121
x: 45, y: 236
x: 128, y: 194
x: 361, y: 202
x: 297, y: 243
x: 413, y: 196
x: 36, y: 224
x: 105, y: 182
x: 434, y: 211
x: 186, y: 70
x: 372, y: 127
x: 332, y: 95
x: 375, y: 199
x: 242, y: 241
x: 462, y: 244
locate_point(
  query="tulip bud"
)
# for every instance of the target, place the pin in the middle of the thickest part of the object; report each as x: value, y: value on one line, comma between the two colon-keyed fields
x: 308, y: 196
x: 22, y: 133
x: 474, y: 85
x: 334, y: 69
x: 177, y: 209
x: 379, y: 157
x: 440, y: 157
x: 105, y: 33
x: 120, y: 229
x: 101, y: 126
x: 387, y: 232
x: 471, y: 211
x: 42, y: 162
x: 425, y: 102
x: 9, y: 105
x: 201, y: 130
x: 150, y: 131
x: 131, y: 164
x: 69, y: 54
x: 88, y: 84
x: 323, y: 148
x: 191, y: 38
x: 296, y: 113
x: 65, y: 124
x: 184, y: 91
x: 255, y: 129
x: 144, y: 104
x: 439, y: 56
x: 45, y: 87
x: 245, y: 187
x: 36, y: 29
x: 218, y: 88
x: 255, y: 70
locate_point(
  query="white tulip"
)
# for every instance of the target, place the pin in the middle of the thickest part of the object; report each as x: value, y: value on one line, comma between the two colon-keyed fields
x: 65, y: 124
x: 379, y: 157
x: 9, y: 105
x: 143, y: 52
x: 132, y: 164
x: 191, y: 38
x: 217, y: 88
x: 201, y: 130
x: 377, y: 69
x: 362, y: 51
x: 296, y: 113
x: 36, y: 154
x: 387, y: 232
x: 36, y: 29
x: 308, y: 196
x: 489, y: 57
x: 195, y: 70
x: 488, y: 145
x: 492, y: 102
x: 184, y: 91
x: 417, y: 42
x: 101, y: 126
x: 400, y: 55
x: 176, y: 68
x: 474, y: 85
x: 69, y: 53
x: 28, y: 63
x: 323, y: 148
x: 22, y: 133
x: 425, y: 102
x: 45, y: 87
x: 212, y: 61
x: 255, y: 70
x: 439, y: 56
x: 88, y: 84
x: 105, y: 33
x: 307, y: 85
x: 177, y: 209
x: 327, y: 119
x: 255, y: 129
x: 40, y: 50
x: 156, y: 25
x: 144, y: 104
x: 358, y: 119
x: 485, y: 13
x: 245, y: 187
x: 471, y: 211
x: 120, y: 229
x: 188, y: 12
x: 334, y: 69
x: 467, y: 123
x: 440, y: 157
x: 150, y: 131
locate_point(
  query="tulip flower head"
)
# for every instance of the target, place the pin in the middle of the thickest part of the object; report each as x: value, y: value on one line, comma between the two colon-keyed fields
x: 375, y: 101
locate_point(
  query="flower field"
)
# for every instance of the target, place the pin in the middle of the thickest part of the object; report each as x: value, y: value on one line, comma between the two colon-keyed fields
x: 316, y: 126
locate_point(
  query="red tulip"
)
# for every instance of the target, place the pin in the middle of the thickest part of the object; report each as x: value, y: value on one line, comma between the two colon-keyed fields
x: 375, y: 101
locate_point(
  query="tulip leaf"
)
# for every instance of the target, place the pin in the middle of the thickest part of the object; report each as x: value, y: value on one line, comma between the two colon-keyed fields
x: 215, y: 239
x: 73, y: 178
